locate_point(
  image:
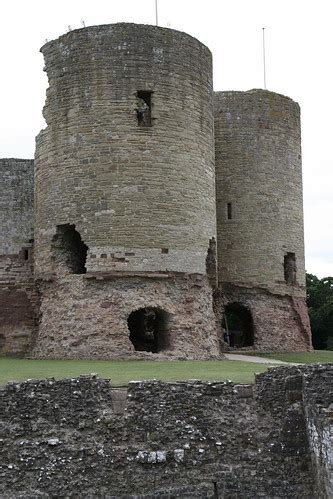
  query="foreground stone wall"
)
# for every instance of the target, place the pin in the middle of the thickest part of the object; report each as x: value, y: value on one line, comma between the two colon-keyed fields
x: 319, y: 415
x: 18, y: 297
x: 80, y: 437
x: 86, y: 316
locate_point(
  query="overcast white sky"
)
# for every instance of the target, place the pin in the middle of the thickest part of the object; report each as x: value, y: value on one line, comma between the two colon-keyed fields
x: 299, y: 41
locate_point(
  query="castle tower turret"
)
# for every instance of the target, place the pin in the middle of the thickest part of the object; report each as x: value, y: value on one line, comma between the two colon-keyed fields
x: 260, y: 219
x: 125, y: 196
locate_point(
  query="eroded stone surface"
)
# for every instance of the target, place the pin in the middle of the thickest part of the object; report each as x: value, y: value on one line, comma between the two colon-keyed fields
x: 88, y: 318
x: 280, y: 322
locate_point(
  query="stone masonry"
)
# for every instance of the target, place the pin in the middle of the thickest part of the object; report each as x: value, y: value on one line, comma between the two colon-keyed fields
x: 95, y: 316
x: 81, y: 438
x: 259, y: 201
x: 126, y: 247
x: 18, y: 297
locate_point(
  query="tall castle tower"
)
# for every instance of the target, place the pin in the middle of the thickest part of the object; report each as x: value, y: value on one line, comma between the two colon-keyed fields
x: 125, y: 195
x: 260, y: 220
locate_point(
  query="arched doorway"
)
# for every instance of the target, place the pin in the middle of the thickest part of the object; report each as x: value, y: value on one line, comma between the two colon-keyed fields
x: 238, y: 320
x: 149, y: 329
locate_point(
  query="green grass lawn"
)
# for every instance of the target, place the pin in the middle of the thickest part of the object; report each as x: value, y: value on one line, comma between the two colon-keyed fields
x: 120, y: 372
x: 318, y: 356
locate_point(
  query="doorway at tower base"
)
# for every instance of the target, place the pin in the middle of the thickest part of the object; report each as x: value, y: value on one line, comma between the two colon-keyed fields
x: 255, y: 319
x: 108, y: 316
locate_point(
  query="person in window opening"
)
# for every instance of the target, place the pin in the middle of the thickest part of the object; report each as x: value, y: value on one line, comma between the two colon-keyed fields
x: 143, y: 112
x: 226, y: 336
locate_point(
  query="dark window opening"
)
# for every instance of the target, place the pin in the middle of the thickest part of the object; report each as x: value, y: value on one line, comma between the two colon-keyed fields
x: 2, y: 341
x: 239, y: 326
x: 143, y: 110
x: 26, y: 254
x: 68, y: 249
x: 211, y: 262
x: 165, y: 251
x: 149, y: 330
x: 229, y: 211
x: 290, y: 269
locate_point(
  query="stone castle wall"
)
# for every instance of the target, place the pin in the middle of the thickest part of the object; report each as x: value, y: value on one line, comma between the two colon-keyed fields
x: 16, y: 205
x: 18, y: 297
x: 141, y: 197
x: 196, y: 439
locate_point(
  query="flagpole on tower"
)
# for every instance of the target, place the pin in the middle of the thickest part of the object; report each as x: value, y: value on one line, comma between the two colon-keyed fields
x: 156, y: 12
x: 264, y: 55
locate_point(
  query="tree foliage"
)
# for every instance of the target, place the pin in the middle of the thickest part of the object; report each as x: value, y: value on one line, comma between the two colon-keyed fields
x: 319, y: 295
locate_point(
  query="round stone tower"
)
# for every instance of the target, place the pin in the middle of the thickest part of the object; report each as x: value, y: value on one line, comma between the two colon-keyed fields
x: 260, y: 219
x: 125, y: 195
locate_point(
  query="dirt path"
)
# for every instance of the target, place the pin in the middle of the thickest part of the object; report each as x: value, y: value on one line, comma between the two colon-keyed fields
x: 257, y: 360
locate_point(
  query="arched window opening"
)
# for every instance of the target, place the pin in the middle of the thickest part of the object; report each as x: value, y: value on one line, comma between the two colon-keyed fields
x: 149, y: 329
x: 68, y: 249
x: 238, y: 320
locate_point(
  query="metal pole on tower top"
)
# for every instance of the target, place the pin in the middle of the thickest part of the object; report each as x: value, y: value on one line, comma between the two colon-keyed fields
x: 156, y: 12
x: 263, y: 54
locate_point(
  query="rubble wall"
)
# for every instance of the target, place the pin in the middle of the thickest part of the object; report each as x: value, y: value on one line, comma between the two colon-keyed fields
x: 280, y: 322
x: 195, y: 439
x: 86, y: 316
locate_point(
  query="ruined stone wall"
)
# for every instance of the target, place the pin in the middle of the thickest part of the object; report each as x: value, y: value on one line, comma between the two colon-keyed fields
x: 280, y: 322
x: 141, y: 197
x: 260, y: 214
x: 306, y: 391
x: 87, y: 316
x: 80, y: 437
x: 17, y: 294
x: 319, y: 412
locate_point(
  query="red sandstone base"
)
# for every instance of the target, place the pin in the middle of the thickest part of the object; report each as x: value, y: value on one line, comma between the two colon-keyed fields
x: 84, y: 316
